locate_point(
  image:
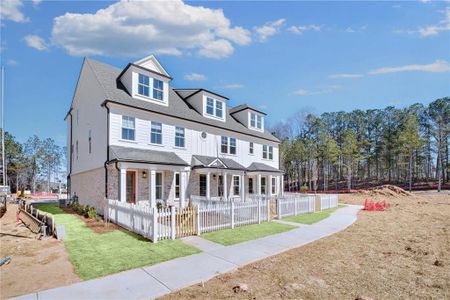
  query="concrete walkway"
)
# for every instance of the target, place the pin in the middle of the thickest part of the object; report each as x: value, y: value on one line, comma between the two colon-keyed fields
x: 157, y: 280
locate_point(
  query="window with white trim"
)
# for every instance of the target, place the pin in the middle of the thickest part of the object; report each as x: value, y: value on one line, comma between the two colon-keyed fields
x: 263, y: 185
x: 250, y: 185
x: 270, y: 152
x: 177, y: 185
x: 267, y: 152
x: 250, y: 148
x: 144, y: 85
x: 202, y: 184
x: 159, y: 185
x: 236, y: 185
x: 128, y: 128
x: 214, y: 108
x: 255, y: 121
x: 274, y: 185
x: 264, y: 152
x: 156, y: 133
x: 228, y: 145
x: 158, y: 89
x: 179, y: 137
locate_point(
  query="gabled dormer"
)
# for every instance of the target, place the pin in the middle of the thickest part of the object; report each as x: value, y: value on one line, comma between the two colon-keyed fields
x: 210, y: 105
x: 146, y: 79
x: 249, y: 116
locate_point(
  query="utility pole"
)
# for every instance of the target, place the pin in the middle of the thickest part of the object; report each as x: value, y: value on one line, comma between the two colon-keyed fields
x: 3, y: 126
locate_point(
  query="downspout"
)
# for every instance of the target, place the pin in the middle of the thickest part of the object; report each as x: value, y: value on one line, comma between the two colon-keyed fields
x: 69, y: 181
x: 107, y: 151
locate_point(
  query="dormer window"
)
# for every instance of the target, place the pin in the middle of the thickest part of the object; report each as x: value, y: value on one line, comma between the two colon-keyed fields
x: 158, y: 89
x: 214, y: 108
x: 144, y: 85
x: 256, y: 121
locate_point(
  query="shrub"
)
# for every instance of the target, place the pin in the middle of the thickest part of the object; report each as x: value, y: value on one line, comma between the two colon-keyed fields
x: 92, y: 214
x: 304, y: 189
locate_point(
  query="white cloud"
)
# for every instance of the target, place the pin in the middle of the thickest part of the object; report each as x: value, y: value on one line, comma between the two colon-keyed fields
x: 353, y: 29
x: 350, y: 30
x: 269, y: 29
x: 36, y: 42
x: 233, y: 86
x: 302, y: 28
x: 36, y: 2
x: 11, y: 62
x: 346, y: 76
x: 195, y: 77
x: 431, y: 30
x: 438, y: 66
x: 127, y: 28
x: 320, y: 91
x: 10, y: 10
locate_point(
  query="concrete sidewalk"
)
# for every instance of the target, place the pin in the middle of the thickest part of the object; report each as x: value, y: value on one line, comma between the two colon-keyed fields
x: 157, y: 280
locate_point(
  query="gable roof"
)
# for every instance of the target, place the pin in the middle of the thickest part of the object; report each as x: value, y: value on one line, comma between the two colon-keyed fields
x: 144, y: 156
x: 177, y: 108
x: 207, y: 161
x: 245, y: 106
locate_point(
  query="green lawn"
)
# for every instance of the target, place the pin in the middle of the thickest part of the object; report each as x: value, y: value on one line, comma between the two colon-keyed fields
x: 314, y: 217
x: 95, y: 255
x: 246, y: 233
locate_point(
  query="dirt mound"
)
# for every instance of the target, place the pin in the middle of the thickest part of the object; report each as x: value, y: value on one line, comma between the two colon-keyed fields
x: 385, y: 190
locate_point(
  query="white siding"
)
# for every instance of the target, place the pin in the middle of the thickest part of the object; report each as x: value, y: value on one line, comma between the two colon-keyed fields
x: 195, y: 145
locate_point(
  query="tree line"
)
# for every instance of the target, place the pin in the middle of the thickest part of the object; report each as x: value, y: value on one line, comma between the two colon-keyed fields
x: 34, y: 165
x: 344, y: 150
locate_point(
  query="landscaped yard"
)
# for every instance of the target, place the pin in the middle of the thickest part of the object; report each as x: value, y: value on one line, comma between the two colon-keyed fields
x: 94, y: 255
x: 245, y: 233
x: 314, y: 217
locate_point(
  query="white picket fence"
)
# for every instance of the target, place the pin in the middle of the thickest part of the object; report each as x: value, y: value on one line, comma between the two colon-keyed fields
x: 328, y: 201
x: 292, y: 205
x: 222, y: 215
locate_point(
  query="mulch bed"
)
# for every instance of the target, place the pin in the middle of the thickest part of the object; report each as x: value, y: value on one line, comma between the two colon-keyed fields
x: 96, y: 226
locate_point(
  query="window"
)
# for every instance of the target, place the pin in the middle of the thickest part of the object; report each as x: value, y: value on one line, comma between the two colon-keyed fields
x: 210, y: 106
x: 179, y: 137
x: 265, y: 151
x: 128, y: 125
x: 250, y: 186
x: 159, y: 185
x: 220, y: 186
x: 255, y: 121
x: 177, y: 185
x: 219, y: 109
x: 90, y: 141
x: 144, y: 85
x: 250, y: 148
x: 263, y: 185
x: 76, y: 149
x: 158, y: 91
x: 202, y: 185
x: 274, y: 185
x: 236, y: 185
x: 270, y: 152
x: 232, y: 146
x: 214, y: 107
x: 224, y: 145
x: 156, y: 133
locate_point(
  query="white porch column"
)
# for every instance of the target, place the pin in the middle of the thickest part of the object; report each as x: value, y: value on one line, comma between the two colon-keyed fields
x: 282, y: 186
x: 258, y: 185
x: 208, y: 185
x: 123, y: 185
x: 182, y: 188
x: 269, y: 185
x: 225, y: 187
x: 242, y: 187
x: 152, y: 188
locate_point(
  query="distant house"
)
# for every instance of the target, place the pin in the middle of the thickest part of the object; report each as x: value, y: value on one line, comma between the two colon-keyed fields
x: 135, y: 138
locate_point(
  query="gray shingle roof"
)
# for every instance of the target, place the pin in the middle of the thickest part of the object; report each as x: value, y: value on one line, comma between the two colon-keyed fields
x: 146, y: 156
x: 245, y: 106
x: 260, y: 167
x: 115, y: 92
x: 205, y: 161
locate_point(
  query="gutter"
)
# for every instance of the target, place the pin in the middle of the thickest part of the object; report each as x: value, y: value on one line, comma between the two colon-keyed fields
x: 107, y: 151
x: 69, y: 183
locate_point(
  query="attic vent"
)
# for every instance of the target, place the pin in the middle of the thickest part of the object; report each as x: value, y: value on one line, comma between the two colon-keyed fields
x: 204, y: 135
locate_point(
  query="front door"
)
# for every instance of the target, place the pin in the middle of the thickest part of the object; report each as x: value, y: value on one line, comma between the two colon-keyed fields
x: 131, y: 186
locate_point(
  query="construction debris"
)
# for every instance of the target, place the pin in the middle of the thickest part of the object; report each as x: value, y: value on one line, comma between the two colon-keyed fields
x: 385, y: 190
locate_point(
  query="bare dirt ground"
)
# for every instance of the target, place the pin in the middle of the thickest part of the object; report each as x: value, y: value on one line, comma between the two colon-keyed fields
x: 401, y: 253
x: 36, y: 264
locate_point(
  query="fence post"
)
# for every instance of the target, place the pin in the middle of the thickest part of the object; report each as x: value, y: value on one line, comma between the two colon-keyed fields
x: 232, y: 215
x: 279, y: 208
x: 295, y: 206
x: 197, y: 207
x: 259, y: 211
x: 172, y: 222
x: 155, y: 225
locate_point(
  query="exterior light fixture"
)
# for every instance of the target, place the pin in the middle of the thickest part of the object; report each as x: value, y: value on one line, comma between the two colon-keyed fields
x: 144, y: 174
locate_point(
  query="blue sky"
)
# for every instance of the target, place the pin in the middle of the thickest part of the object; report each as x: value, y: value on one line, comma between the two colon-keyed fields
x: 279, y: 56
